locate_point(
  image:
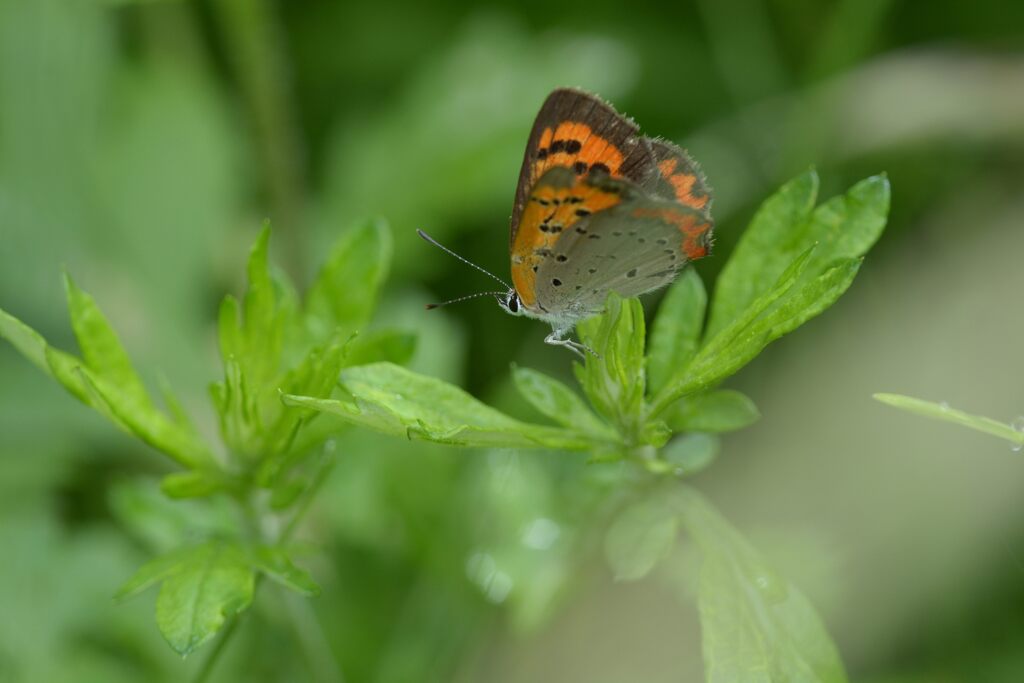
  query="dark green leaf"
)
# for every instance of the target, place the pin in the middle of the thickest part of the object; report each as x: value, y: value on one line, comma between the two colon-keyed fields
x: 212, y: 583
x: 559, y: 402
x: 756, y: 625
x: 675, y: 334
x: 390, y: 399
x: 719, y: 411
x: 275, y: 563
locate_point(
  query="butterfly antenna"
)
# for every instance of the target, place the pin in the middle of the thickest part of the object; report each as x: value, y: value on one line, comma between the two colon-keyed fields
x: 466, y: 261
x: 463, y: 298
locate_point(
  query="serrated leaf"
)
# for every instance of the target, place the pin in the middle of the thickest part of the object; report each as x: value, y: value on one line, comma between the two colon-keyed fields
x: 756, y: 626
x: 277, y: 565
x: 391, y: 399
x: 344, y: 294
x: 213, y: 582
x: 724, y: 410
x: 559, y: 402
x: 777, y: 234
x: 941, y: 411
x: 101, y: 349
x: 676, y: 332
x: 639, y: 537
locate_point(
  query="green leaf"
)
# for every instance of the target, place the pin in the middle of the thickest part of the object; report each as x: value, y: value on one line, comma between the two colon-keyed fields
x: 391, y: 399
x: 756, y: 626
x: 148, y: 424
x: 391, y: 346
x: 675, y: 334
x: 102, y: 350
x: 613, y: 380
x: 639, y: 537
x: 681, y: 383
x: 212, y: 583
x: 124, y: 410
x: 25, y: 340
x: 719, y: 411
x: 559, y: 402
x: 777, y: 234
x: 193, y: 483
x: 277, y: 565
x: 152, y: 572
x: 941, y: 411
x: 717, y: 361
x: 690, y: 453
x: 843, y: 228
x: 344, y: 294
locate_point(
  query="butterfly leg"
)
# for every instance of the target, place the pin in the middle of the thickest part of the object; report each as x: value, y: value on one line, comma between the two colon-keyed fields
x: 557, y: 338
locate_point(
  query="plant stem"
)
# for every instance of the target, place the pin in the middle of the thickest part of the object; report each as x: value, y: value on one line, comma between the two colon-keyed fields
x: 323, y: 666
x: 204, y: 671
x: 255, y: 43
x: 302, y: 507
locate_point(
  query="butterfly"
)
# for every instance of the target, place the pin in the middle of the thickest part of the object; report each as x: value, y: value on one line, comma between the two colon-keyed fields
x: 598, y: 208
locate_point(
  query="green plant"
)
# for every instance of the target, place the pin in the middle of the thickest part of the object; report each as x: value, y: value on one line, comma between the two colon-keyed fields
x: 271, y: 461
x: 1014, y: 433
x: 656, y: 404
x: 649, y: 403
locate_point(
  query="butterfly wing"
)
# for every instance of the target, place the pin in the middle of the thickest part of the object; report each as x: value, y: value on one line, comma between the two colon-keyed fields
x: 579, y: 131
x: 600, y: 207
x: 634, y: 246
x: 678, y: 177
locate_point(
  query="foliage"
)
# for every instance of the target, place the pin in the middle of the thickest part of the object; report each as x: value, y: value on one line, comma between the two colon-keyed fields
x: 793, y: 262
x: 1014, y: 433
x: 269, y: 466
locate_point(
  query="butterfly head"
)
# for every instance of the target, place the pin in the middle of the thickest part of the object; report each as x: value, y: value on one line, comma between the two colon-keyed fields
x: 510, y: 302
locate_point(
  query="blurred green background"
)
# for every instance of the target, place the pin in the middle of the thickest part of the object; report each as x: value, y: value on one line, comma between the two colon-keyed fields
x: 142, y: 143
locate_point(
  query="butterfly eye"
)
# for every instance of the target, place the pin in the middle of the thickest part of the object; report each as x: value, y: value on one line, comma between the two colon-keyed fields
x: 513, y: 302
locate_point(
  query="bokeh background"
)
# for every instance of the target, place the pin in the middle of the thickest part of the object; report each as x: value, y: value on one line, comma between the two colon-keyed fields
x: 142, y: 144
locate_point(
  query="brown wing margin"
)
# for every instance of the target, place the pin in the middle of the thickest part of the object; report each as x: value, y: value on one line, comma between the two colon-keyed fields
x: 678, y: 177
x: 607, y: 133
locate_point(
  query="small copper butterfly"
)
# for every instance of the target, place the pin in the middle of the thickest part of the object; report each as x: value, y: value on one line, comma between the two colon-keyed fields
x: 598, y: 208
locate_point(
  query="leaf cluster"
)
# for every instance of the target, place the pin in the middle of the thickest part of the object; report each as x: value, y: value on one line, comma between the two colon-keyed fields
x: 269, y: 459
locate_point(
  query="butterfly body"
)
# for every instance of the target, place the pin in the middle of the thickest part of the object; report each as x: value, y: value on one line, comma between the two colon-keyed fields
x: 599, y: 208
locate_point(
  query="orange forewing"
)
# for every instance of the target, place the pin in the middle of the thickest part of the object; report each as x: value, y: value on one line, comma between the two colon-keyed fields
x: 558, y: 203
